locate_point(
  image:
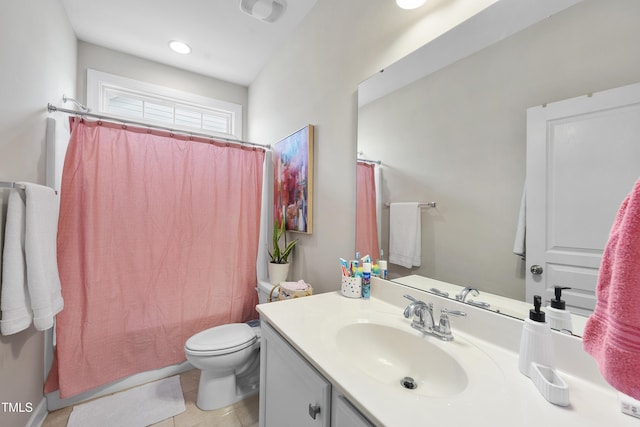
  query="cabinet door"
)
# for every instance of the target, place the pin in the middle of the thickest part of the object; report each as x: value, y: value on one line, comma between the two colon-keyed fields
x: 292, y: 392
x: 343, y: 414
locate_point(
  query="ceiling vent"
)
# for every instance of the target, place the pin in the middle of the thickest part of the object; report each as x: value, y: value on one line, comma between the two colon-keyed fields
x: 264, y: 10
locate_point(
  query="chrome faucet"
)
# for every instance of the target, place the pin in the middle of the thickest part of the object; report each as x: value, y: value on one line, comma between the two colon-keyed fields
x: 421, y: 314
x: 465, y: 291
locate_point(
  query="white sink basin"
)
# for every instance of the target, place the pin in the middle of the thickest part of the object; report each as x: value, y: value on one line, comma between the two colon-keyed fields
x: 389, y: 354
x: 364, y: 348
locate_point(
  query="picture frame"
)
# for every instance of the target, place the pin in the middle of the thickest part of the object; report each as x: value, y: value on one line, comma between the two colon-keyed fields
x: 293, y: 181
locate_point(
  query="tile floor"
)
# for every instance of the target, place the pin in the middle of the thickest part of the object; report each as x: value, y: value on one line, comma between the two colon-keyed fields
x: 241, y: 414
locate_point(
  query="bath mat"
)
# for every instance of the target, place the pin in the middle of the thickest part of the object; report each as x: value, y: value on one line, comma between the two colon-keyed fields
x: 139, y: 407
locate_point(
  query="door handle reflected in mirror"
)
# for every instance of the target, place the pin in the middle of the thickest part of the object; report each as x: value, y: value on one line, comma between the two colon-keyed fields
x: 536, y: 269
x: 314, y: 410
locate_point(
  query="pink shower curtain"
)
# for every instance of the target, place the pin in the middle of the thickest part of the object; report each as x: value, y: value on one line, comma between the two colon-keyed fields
x: 366, y: 218
x: 157, y: 240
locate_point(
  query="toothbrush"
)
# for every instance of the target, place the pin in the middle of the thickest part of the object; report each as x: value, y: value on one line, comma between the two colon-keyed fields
x: 354, y: 264
x: 345, y: 267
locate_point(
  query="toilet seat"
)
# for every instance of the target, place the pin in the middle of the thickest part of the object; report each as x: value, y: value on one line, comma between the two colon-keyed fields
x: 221, y: 339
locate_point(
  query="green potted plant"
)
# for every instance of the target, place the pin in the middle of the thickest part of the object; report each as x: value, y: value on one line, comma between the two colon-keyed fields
x: 279, y: 265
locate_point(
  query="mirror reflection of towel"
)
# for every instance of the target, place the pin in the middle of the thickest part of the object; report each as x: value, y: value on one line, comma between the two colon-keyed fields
x: 405, y: 234
x: 519, y: 244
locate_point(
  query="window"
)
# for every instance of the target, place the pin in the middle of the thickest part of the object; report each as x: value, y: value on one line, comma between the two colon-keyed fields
x: 135, y: 100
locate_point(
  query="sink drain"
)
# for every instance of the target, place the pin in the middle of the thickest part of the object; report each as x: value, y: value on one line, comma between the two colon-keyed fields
x: 408, y: 383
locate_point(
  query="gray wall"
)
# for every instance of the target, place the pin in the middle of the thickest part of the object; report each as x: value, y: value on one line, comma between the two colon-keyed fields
x: 38, y: 52
x: 459, y: 136
x: 313, y: 79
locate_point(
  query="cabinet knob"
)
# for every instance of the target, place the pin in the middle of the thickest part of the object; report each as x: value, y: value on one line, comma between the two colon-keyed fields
x: 314, y: 410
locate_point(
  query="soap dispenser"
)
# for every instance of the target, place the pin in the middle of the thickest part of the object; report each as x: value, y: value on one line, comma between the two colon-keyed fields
x: 559, y: 316
x: 535, y: 343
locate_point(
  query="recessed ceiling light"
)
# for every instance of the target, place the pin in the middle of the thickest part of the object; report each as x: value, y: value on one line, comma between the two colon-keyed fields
x: 410, y: 4
x: 179, y: 47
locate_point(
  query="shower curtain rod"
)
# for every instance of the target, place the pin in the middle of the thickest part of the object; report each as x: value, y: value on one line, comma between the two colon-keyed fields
x: 52, y: 108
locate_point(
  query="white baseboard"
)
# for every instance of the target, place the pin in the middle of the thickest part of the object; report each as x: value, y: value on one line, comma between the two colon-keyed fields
x: 54, y: 402
x: 39, y: 414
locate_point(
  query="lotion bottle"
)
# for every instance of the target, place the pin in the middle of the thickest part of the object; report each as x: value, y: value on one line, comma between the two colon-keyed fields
x: 559, y: 317
x: 535, y: 343
x: 366, y: 280
x: 382, y: 265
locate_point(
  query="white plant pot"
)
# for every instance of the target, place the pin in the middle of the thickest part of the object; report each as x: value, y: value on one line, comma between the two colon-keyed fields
x: 278, y: 273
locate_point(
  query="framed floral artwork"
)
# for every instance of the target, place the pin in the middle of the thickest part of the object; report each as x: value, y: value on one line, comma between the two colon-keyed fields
x: 293, y: 180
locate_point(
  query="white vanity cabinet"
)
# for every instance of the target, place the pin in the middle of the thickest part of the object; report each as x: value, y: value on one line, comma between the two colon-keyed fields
x: 294, y: 394
x: 343, y: 414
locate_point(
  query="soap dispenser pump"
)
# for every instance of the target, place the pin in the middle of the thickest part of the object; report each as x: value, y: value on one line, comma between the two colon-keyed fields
x: 559, y: 316
x: 535, y: 343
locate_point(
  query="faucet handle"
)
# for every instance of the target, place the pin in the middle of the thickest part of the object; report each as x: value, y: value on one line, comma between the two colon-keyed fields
x: 410, y: 309
x: 455, y: 313
x: 410, y: 298
x: 444, y: 328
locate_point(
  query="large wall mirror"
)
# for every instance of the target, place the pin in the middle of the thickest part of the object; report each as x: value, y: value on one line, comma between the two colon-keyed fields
x: 456, y: 133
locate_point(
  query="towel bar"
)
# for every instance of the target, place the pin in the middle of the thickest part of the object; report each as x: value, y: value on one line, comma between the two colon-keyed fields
x: 421, y: 204
x: 5, y: 184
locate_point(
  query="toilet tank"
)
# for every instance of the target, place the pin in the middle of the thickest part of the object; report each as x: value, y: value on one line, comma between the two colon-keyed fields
x: 264, y: 289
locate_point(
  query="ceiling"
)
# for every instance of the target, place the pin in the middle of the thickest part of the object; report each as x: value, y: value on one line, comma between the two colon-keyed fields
x: 226, y: 43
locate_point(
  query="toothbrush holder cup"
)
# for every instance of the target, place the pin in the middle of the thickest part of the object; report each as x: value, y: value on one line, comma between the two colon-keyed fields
x: 351, y: 287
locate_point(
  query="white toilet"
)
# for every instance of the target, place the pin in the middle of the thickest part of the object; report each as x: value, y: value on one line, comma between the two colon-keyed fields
x: 229, y: 359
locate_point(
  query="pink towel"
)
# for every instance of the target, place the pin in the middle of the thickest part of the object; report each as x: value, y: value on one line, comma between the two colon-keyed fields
x: 612, y: 332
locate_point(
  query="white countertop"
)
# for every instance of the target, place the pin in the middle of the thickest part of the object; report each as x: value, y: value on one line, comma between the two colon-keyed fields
x: 507, y: 398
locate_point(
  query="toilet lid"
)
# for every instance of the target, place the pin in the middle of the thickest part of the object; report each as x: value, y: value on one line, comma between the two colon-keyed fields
x: 222, y: 337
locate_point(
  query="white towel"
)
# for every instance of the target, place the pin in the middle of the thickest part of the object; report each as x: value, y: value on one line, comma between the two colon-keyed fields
x: 40, y: 251
x: 405, y: 234
x: 30, y: 284
x: 1, y: 238
x: 14, y: 299
x: 519, y: 244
